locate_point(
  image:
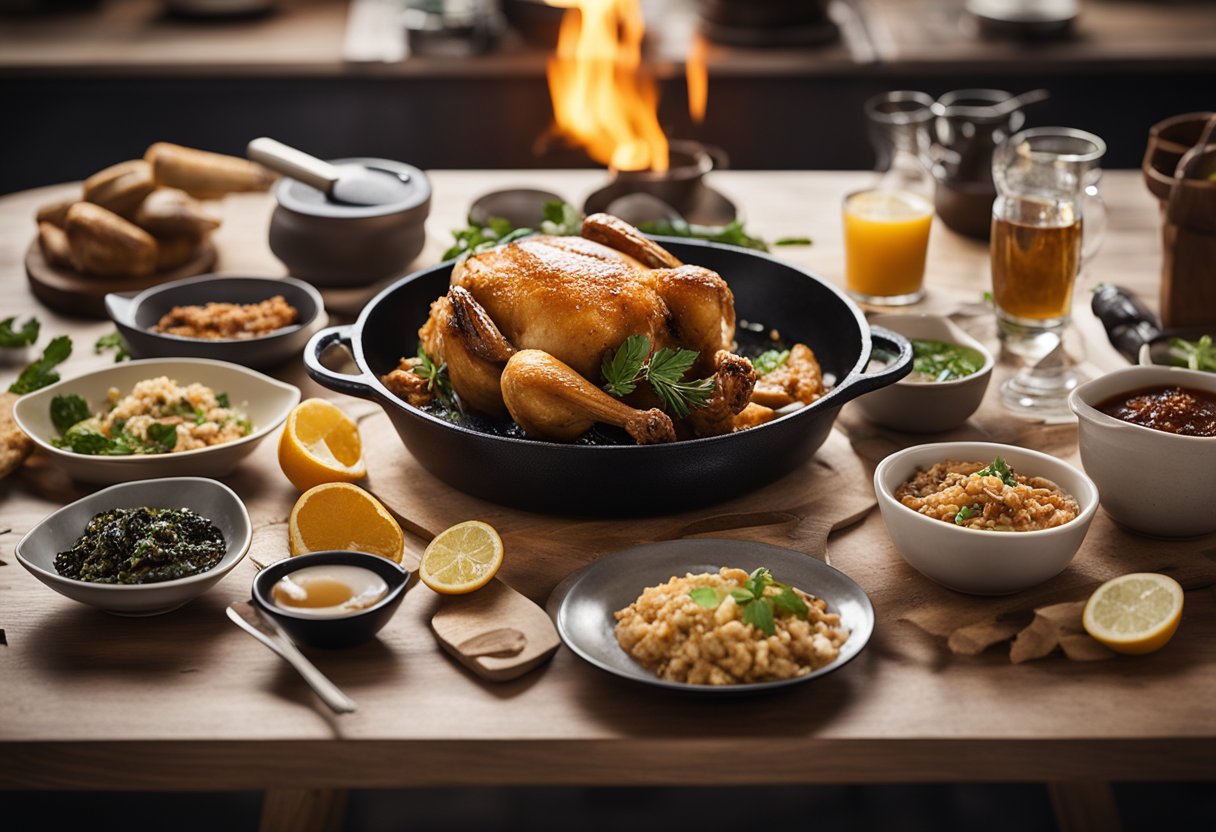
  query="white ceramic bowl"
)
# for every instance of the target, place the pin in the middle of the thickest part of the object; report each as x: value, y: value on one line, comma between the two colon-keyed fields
x: 973, y: 560
x: 60, y: 530
x: 266, y: 401
x: 1151, y: 481
x: 927, y: 407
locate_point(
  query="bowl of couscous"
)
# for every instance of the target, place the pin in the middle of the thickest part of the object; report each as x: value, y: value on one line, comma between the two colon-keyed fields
x: 155, y: 418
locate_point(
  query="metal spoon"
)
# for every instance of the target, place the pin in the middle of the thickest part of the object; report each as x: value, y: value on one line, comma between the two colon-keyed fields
x: 262, y: 627
x: 349, y: 184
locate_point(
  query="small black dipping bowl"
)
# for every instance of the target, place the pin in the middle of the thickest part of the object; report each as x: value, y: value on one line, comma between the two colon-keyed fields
x: 135, y: 313
x: 345, y: 631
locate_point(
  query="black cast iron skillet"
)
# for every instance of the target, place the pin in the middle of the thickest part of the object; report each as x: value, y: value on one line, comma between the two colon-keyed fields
x: 557, y: 478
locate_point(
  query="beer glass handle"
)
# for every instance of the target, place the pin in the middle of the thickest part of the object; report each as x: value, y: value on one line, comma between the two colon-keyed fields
x: 1093, y: 212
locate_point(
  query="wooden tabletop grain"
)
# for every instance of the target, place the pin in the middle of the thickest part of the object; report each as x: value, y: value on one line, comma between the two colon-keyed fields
x: 188, y: 701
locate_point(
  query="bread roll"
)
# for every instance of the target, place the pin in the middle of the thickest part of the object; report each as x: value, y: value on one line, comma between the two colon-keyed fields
x: 54, y: 244
x: 103, y: 243
x: 120, y: 188
x: 169, y: 212
x: 56, y: 212
x: 202, y: 174
x: 172, y: 252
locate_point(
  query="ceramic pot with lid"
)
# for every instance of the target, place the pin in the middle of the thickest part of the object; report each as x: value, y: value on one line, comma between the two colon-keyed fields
x: 331, y: 244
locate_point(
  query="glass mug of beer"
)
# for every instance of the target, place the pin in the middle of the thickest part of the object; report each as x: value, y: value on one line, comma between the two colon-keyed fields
x: 1047, y: 222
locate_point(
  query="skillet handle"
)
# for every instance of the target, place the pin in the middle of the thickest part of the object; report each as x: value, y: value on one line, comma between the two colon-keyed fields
x: 887, y: 341
x: 352, y: 385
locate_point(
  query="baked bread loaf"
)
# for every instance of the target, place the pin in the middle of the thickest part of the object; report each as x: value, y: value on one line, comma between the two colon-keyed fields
x: 203, y: 174
x: 120, y: 188
x: 103, y: 243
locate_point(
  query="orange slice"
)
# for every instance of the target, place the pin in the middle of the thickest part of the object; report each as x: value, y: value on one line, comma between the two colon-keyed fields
x: 320, y: 444
x: 338, y: 515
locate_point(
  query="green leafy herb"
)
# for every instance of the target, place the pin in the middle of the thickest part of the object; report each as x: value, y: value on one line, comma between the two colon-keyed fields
x: 436, y: 376
x: 41, y: 373
x: 942, y: 361
x: 161, y: 438
x: 1197, y: 355
x: 476, y: 237
x: 999, y: 468
x: 793, y: 241
x: 758, y: 608
x: 23, y: 337
x: 87, y: 441
x: 67, y: 411
x: 768, y: 361
x: 732, y: 233
x: 142, y: 545
x: 223, y: 400
x: 664, y: 372
x: 113, y: 341
x: 561, y: 219
x: 966, y: 513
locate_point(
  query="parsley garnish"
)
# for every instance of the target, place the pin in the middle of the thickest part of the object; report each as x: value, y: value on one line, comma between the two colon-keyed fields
x: 113, y: 341
x: 664, y: 372
x: 561, y: 219
x: 23, y: 337
x: 758, y: 608
x: 41, y: 373
x: 766, y: 362
x: 942, y: 361
x: 966, y: 513
x: 999, y: 468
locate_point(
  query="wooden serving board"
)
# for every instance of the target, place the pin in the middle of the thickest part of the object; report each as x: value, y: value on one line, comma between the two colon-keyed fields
x: 76, y: 293
x: 495, y: 632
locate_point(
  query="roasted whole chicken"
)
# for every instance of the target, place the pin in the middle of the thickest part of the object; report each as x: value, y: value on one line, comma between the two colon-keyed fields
x: 525, y: 329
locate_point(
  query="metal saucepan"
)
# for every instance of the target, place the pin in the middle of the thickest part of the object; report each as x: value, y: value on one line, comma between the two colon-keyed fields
x: 553, y: 477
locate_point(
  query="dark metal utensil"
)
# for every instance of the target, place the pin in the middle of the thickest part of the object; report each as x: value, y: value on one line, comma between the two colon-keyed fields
x: 347, y: 184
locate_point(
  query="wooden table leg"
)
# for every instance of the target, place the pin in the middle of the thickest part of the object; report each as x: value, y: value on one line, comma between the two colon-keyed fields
x: 1084, y: 806
x: 303, y: 810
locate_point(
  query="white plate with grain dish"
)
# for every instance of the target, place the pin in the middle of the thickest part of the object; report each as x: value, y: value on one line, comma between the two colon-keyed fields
x: 263, y: 400
x: 583, y: 607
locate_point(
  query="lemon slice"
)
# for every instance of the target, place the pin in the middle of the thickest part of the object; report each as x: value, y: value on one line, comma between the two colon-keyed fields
x: 320, y: 444
x: 338, y: 515
x: 462, y: 558
x: 1136, y: 613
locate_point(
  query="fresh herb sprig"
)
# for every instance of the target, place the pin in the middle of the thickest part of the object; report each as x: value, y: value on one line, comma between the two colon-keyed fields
x: 758, y: 607
x: 23, y: 337
x: 113, y: 341
x: 41, y: 373
x: 664, y: 372
x: 561, y: 219
x: 477, y: 237
x: 1197, y: 355
x: 732, y: 233
x: 999, y: 468
x: 966, y: 513
x: 84, y: 439
x: 768, y: 361
x: 436, y: 376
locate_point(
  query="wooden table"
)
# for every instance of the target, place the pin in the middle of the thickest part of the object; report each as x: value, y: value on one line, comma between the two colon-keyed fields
x: 187, y: 701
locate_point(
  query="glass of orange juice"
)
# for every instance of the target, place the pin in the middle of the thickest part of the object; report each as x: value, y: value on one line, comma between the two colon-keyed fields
x: 886, y: 228
x: 886, y: 239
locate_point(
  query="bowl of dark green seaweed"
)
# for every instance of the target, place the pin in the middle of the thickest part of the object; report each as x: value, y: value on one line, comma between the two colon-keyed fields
x: 140, y: 548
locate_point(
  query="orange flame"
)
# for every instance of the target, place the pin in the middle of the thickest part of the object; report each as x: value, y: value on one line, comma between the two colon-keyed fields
x: 697, y: 75
x: 601, y: 100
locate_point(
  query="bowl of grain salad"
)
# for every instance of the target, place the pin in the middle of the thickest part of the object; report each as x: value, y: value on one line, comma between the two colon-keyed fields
x: 257, y: 322
x: 984, y: 518
x: 159, y: 417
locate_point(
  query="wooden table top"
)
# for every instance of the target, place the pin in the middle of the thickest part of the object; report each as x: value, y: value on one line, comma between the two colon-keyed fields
x: 188, y: 701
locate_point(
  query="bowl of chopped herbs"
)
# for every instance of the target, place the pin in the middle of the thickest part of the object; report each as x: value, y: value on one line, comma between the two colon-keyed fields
x: 140, y: 548
x: 1193, y: 348
x: 950, y: 374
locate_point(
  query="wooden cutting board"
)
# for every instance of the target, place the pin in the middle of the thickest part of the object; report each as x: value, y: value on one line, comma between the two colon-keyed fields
x: 77, y: 293
x: 495, y: 632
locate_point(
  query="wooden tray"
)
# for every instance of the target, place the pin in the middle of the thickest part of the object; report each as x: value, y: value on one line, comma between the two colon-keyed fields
x: 75, y: 293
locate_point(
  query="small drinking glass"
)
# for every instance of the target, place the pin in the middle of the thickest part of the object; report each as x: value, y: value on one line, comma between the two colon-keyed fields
x: 1047, y: 222
x: 886, y: 228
